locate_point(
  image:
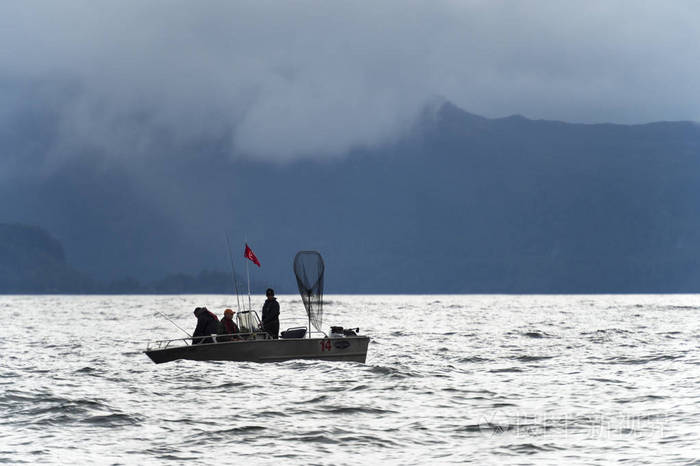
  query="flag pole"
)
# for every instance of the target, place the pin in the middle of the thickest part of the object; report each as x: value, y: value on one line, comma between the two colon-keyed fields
x: 247, y: 272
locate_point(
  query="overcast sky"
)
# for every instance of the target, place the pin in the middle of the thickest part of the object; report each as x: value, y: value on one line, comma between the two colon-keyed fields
x: 280, y: 80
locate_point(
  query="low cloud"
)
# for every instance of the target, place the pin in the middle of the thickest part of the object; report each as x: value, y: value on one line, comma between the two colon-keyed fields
x: 280, y: 80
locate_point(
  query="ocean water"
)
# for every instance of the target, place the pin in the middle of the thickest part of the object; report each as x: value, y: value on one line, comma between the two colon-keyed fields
x: 448, y: 379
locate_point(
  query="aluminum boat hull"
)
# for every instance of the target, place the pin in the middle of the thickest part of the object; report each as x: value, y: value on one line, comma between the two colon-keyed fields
x: 329, y: 349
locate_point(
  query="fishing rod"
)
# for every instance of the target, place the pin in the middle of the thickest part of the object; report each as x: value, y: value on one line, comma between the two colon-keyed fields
x: 168, y: 319
x: 233, y: 272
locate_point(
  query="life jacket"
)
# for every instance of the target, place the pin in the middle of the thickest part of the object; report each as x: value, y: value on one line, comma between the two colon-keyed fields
x: 230, y: 325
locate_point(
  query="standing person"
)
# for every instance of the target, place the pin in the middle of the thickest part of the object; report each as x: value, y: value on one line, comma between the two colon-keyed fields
x: 207, y: 324
x: 227, y: 326
x: 271, y: 314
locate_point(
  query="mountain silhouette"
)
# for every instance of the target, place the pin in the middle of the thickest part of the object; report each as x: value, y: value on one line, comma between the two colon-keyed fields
x: 460, y: 204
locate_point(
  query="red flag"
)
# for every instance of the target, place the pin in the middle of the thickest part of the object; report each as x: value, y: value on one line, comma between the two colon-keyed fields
x: 248, y: 254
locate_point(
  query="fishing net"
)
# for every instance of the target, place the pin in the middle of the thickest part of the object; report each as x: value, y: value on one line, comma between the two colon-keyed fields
x: 309, y: 268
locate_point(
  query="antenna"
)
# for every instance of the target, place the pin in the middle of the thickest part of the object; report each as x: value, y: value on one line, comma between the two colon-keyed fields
x: 233, y: 272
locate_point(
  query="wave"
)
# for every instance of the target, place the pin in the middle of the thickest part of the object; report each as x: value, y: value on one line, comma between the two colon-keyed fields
x: 356, y: 410
x: 640, y: 360
x: 393, y: 372
x: 316, y: 399
x: 602, y: 379
x: 474, y: 401
x: 607, y: 331
x: 681, y: 308
x: 89, y: 370
x: 237, y: 430
x: 533, y: 334
x: 474, y: 359
x: 530, y: 448
x: 531, y: 358
x: 173, y: 457
x: 230, y: 385
x: 112, y: 420
x: 640, y: 399
x: 367, y: 440
x: 63, y: 406
x: 507, y: 369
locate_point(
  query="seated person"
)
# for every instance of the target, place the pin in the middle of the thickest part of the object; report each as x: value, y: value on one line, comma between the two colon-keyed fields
x: 227, y: 327
x: 207, y: 324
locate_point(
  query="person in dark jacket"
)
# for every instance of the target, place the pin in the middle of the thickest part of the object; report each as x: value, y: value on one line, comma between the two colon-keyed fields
x: 227, y: 327
x: 271, y: 314
x: 207, y: 324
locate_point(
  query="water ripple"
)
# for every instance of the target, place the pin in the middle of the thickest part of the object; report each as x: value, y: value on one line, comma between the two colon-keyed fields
x: 448, y: 380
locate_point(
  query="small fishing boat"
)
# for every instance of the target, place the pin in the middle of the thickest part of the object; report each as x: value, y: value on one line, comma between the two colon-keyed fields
x: 254, y: 344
